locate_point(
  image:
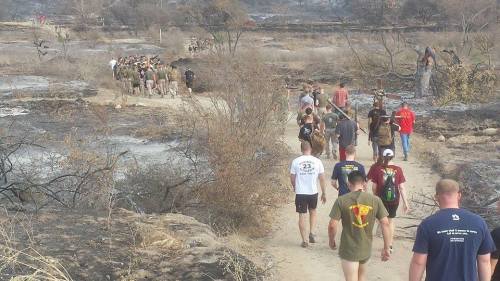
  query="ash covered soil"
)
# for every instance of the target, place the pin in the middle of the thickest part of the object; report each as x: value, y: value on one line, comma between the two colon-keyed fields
x: 125, y: 246
x: 465, y: 145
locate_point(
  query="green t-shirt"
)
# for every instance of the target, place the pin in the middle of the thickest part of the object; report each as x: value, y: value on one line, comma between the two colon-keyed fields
x: 358, y: 211
x: 136, y: 78
x: 149, y: 75
x: 162, y: 74
x: 330, y: 119
x: 322, y: 100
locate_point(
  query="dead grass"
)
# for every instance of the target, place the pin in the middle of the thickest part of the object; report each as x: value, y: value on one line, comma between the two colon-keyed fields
x: 241, y: 135
x: 21, y: 261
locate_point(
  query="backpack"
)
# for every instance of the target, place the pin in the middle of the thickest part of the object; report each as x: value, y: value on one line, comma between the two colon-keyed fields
x: 390, y: 192
x: 384, y: 135
x: 306, y: 131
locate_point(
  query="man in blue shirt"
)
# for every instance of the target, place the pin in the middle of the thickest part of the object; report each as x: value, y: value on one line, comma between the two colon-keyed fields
x: 344, y: 168
x: 453, y: 244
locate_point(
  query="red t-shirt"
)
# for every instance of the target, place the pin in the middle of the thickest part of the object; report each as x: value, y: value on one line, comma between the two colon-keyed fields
x: 379, y: 176
x: 340, y: 97
x: 406, y: 120
x: 371, y: 173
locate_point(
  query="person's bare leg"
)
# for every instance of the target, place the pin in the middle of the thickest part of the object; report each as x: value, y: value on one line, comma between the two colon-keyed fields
x: 362, y: 272
x: 313, y: 214
x: 392, y: 227
x: 351, y: 270
x: 302, y: 227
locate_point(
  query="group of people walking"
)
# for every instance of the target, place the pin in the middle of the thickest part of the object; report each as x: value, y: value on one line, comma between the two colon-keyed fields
x: 145, y: 76
x: 452, y: 244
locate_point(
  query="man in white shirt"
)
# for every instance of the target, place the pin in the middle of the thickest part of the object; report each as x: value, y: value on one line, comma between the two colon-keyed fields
x: 304, y: 174
x: 306, y: 101
x: 112, y: 64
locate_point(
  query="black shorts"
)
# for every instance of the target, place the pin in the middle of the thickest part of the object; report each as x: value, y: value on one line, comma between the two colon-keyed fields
x: 391, y: 209
x: 304, y: 202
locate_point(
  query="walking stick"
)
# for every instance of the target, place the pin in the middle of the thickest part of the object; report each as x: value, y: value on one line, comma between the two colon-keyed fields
x: 343, y: 113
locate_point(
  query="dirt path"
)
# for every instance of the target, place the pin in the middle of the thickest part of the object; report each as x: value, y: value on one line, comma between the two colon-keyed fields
x: 318, y: 262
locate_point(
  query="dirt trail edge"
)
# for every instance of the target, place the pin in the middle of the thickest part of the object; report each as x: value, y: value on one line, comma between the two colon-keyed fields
x: 318, y: 262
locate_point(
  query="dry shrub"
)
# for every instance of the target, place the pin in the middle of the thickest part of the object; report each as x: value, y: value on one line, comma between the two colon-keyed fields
x: 174, y: 41
x: 242, y: 134
x: 239, y: 267
x: 467, y: 84
x: 154, y: 188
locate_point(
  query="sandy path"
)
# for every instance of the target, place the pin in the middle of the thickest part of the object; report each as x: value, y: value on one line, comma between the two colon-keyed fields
x: 318, y: 262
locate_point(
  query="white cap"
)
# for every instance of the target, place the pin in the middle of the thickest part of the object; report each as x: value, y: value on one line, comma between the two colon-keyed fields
x: 388, y: 152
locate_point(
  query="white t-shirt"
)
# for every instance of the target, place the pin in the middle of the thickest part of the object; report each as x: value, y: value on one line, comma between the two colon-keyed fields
x: 307, y: 100
x: 306, y: 169
x: 112, y: 63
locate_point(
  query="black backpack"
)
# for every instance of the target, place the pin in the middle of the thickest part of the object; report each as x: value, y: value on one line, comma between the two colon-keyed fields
x: 306, y: 131
x: 390, y: 192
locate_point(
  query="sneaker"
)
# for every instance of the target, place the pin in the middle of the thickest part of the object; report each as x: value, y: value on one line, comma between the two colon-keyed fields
x: 406, y: 158
x: 304, y: 245
x: 312, y: 238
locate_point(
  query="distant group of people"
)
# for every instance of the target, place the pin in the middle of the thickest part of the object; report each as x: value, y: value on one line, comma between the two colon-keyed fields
x: 197, y: 45
x: 452, y: 244
x: 142, y: 75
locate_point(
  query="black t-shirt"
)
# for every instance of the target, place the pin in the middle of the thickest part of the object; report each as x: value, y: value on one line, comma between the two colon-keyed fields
x: 189, y: 75
x: 315, y: 96
x: 495, y: 234
x: 375, y: 114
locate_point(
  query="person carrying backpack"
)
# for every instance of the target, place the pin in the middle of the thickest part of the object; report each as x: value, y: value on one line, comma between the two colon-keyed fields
x: 374, y: 119
x: 388, y: 184
x: 385, y: 134
x: 308, y: 124
x: 328, y: 125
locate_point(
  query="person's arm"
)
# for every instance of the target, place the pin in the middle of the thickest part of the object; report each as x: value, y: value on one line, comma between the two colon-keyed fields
x: 493, y: 263
x: 293, y: 180
x: 332, y: 232
x: 322, y: 183
x: 406, y: 204
x: 417, y: 266
x: 484, y: 267
x: 374, y: 188
x: 369, y: 126
x: 386, y: 233
x: 334, y: 184
x: 337, y: 132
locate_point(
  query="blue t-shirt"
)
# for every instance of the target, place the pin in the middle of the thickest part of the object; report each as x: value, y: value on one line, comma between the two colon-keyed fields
x: 342, y: 170
x: 452, y: 240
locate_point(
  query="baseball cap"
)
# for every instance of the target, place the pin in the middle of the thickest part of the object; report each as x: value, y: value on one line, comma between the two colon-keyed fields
x: 388, y: 152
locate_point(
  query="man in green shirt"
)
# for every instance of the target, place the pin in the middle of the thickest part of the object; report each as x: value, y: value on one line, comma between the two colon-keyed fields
x: 358, y: 211
x: 150, y: 81
x: 136, y: 82
x: 328, y: 126
x: 162, y: 80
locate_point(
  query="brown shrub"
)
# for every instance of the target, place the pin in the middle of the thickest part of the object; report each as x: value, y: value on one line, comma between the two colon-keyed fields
x: 242, y: 130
